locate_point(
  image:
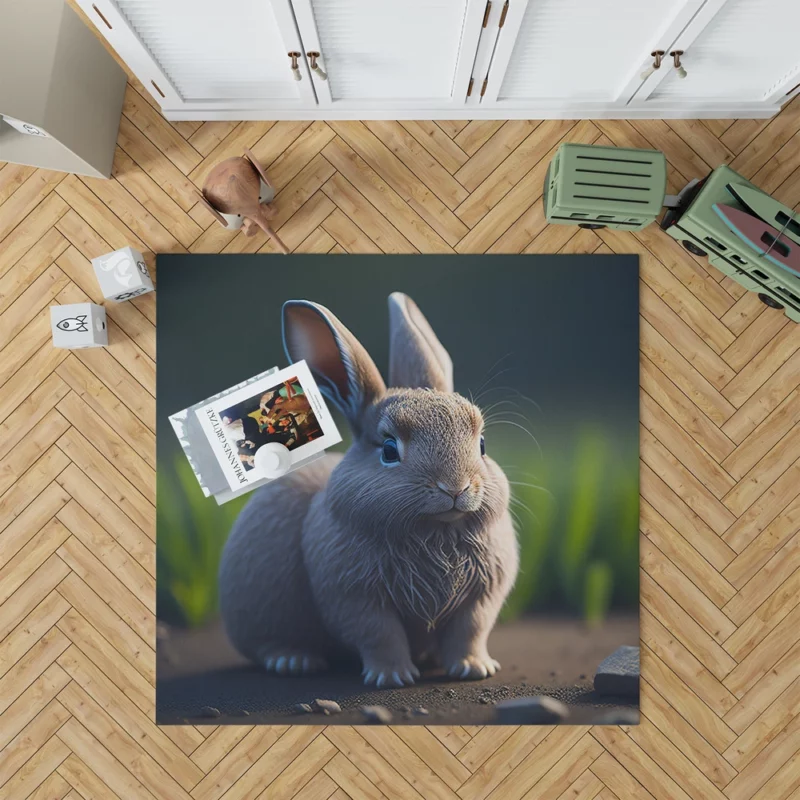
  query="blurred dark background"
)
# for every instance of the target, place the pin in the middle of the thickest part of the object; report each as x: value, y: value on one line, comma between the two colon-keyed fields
x: 547, y: 345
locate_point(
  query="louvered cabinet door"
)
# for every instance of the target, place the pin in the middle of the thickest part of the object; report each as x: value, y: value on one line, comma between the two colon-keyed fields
x: 562, y: 55
x: 209, y: 55
x: 734, y: 52
x: 379, y: 55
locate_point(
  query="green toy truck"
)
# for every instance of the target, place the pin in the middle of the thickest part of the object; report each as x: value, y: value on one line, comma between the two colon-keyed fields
x: 598, y: 187
x: 696, y: 225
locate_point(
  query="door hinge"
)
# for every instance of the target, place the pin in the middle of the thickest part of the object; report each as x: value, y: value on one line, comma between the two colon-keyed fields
x: 483, y: 88
x: 469, y: 88
x: 503, y: 15
x: 486, y: 13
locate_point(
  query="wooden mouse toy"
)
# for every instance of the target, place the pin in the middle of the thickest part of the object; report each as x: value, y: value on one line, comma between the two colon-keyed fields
x: 234, y: 189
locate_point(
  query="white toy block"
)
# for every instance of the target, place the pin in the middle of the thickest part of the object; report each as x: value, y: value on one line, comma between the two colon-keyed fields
x: 78, y: 325
x: 122, y: 274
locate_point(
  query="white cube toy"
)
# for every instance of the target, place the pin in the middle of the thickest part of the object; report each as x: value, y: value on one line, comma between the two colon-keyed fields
x: 122, y: 274
x: 78, y: 325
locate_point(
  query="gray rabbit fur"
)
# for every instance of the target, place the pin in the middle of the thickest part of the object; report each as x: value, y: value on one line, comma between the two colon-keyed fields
x: 394, y: 562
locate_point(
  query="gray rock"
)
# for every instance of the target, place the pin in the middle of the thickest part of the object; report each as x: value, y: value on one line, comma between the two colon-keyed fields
x: 327, y: 707
x: 210, y: 712
x: 619, y: 673
x: 376, y: 715
x: 538, y: 710
x: 421, y: 711
x: 302, y: 708
x: 619, y: 716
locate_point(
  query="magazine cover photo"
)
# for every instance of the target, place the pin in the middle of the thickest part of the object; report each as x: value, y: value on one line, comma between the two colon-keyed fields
x: 456, y: 542
x: 281, y: 414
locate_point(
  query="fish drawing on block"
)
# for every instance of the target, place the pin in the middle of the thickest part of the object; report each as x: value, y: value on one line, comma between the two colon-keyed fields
x: 74, y: 324
x: 763, y: 238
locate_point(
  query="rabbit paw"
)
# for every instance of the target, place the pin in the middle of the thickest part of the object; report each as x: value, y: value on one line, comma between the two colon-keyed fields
x: 291, y: 662
x: 379, y: 674
x: 473, y: 668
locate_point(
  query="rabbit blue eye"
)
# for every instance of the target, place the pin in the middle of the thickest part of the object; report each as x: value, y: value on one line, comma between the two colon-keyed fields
x: 483, y: 445
x: 390, y: 453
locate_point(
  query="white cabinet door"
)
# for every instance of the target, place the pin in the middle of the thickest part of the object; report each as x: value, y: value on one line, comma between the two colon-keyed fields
x: 214, y: 55
x: 390, y: 54
x: 578, y: 54
x: 734, y: 51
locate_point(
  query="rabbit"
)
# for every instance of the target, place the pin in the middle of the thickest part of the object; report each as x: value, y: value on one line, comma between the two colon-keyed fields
x: 400, y: 550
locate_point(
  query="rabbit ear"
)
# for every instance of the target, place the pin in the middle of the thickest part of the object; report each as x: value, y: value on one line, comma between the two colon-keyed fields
x: 346, y: 374
x: 417, y: 358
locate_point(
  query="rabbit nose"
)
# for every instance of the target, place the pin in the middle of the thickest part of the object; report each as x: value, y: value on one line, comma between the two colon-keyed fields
x: 454, y: 493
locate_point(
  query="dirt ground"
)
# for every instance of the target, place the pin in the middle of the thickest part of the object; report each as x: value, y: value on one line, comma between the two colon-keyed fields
x: 199, y: 674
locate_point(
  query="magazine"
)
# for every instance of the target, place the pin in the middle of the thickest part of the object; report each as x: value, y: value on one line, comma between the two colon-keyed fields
x: 285, y: 407
x: 231, y: 438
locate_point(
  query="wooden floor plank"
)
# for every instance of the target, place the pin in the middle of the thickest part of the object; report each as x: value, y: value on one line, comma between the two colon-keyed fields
x: 374, y: 227
x: 166, y: 778
x: 402, y: 180
x: 681, y: 735
x: 437, y: 143
x: 113, y: 582
x: 159, y: 131
x: 12, y: 176
x: 419, y: 161
x: 85, y: 782
x: 30, y: 266
x: 692, y: 635
x: 685, y: 665
x: 536, y: 147
x: 639, y: 764
x: 154, y: 199
x: 676, y: 584
x: 493, y: 152
x: 381, y: 195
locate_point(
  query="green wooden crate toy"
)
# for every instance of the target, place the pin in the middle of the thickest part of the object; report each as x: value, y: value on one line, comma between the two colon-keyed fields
x: 605, y: 187
x: 746, y: 234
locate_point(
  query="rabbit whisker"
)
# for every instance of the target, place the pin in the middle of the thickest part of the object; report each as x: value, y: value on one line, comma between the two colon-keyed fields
x: 515, y: 501
x: 532, y: 486
x: 490, y: 377
x: 525, y: 397
x: 516, y: 425
x: 497, y: 404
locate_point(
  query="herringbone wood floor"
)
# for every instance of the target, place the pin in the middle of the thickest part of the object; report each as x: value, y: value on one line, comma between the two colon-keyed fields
x: 720, y: 405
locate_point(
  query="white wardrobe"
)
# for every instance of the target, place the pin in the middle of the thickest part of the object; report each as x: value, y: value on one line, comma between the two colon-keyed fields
x: 446, y: 59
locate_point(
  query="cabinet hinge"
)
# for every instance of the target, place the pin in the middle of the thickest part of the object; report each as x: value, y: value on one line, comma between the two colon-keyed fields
x: 469, y: 88
x: 483, y: 88
x: 486, y: 13
x: 503, y: 15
